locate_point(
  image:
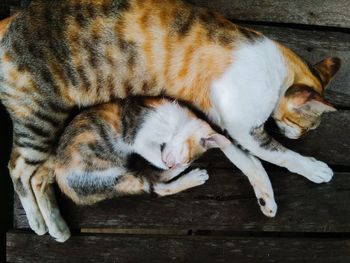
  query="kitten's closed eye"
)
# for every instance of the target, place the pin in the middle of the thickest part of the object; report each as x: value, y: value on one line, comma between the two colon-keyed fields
x: 162, y: 147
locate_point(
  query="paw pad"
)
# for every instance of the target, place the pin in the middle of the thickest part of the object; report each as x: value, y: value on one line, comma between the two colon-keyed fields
x: 262, y: 202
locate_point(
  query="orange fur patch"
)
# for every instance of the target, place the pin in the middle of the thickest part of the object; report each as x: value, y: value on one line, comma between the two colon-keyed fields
x: 154, y: 102
x: 130, y: 184
x: 298, y: 71
x: 4, y: 25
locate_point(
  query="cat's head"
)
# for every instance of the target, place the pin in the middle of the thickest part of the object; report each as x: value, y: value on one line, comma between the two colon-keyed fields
x: 188, y: 143
x: 301, y: 107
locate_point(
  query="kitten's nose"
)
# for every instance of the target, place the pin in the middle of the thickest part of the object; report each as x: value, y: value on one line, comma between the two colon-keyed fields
x: 169, y: 160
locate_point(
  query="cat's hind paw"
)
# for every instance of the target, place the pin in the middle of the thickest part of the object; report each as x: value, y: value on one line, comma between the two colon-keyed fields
x: 196, y: 177
x: 59, y: 231
x: 38, y: 225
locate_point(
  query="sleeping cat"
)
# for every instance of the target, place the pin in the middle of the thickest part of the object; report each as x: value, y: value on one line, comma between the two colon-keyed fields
x: 58, y: 55
x: 91, y: 160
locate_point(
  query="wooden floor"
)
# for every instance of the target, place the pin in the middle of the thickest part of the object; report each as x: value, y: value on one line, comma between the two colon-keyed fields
x: 220, y: 221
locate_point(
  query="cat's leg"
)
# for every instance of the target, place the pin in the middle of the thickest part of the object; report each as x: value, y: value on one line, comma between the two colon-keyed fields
x: 255, y: 172
x: 94, y: 186
x: 33, y: 138
x: 131, y: 184
x: 21, y: 171
x: 257, y: 176
x: 192, y: 179
x: 42, y: 187
x: 168, y: 175
x: 262, y: 145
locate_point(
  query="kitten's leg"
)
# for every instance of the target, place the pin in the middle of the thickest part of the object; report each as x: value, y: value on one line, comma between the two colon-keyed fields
x: 130, y: 184
x: 45, y: 196
x: 262, y: 145
x: 21, y: 171
x: 191, y: 179
x: 167, y: 175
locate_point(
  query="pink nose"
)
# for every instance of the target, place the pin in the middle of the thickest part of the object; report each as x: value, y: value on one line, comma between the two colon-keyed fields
x: 169, y: 160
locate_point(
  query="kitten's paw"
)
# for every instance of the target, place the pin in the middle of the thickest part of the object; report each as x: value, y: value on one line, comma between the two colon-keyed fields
x: 267, y: 205
x: 318, y: 172
x: 196, y: 177
x: 59, y: 231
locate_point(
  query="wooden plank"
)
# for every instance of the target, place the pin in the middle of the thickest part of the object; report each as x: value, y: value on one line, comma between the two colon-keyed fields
x: 22, y: 247
x: 314, y: 46
x: 226, y: 202
x: 308, y: 12
x: 5, y: 181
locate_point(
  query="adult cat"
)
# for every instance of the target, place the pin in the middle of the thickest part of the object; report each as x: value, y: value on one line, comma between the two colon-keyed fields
x: 56, y: 56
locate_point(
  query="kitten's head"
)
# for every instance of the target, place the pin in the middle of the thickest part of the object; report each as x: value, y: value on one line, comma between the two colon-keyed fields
x: 188, y: 143
x: 303, y: 104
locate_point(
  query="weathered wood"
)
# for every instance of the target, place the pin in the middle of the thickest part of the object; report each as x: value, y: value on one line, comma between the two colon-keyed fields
x: 314, y: 46
x: 28, y: 248
x: 5, y: 181
x: 226, y: 202
x: 309, y: 12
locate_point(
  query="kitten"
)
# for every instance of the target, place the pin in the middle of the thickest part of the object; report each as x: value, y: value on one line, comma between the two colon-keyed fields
x: 91, y: 160
x: 58, y: 55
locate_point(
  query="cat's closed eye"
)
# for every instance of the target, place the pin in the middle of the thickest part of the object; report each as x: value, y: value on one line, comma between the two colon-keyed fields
x: 162, y: 147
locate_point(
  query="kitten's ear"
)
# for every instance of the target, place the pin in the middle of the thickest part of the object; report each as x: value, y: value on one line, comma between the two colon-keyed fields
x: 303, y: 96
x: 215, y: 141
x: 327, y: 68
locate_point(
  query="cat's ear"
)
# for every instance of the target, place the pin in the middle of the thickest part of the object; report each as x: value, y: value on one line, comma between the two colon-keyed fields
x: 301, y: 96
x: 327, y: 68
x: 215, y: 141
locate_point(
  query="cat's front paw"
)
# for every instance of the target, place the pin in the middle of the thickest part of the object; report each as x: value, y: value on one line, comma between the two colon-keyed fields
x: 317, y: 171
x: 267, y: 205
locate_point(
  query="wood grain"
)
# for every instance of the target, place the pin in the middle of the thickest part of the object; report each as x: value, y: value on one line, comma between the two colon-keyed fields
x: 226, y: 202
x: 117, y: 248
x: 334, y: 13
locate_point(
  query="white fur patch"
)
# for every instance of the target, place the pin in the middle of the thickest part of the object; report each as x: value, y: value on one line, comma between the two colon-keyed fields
x: 249, y: 90
x: 170, y: 124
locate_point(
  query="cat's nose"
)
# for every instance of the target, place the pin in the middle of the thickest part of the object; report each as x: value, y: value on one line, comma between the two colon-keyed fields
x: 169, y: 161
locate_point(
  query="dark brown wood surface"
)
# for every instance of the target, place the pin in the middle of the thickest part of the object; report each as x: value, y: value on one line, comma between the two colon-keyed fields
x: 227, y: 203
x: 26, y: 248
x: 334, y: 13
